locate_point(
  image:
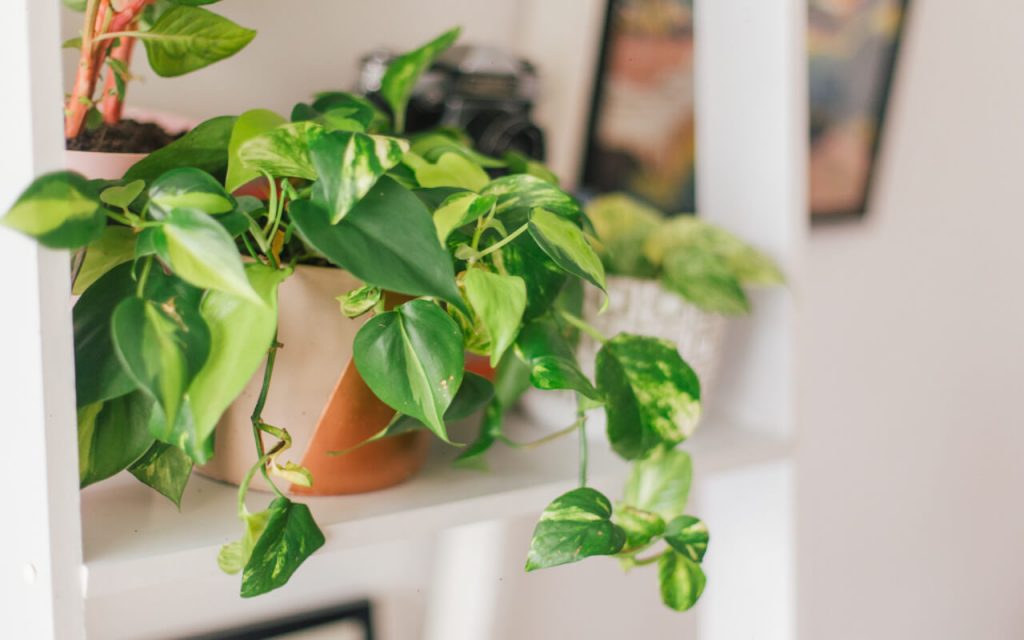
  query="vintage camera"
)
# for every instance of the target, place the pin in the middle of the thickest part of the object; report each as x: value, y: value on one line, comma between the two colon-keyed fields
x: 485, y: 91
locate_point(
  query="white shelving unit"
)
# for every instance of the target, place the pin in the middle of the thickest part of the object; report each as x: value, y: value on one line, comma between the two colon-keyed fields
x: 133, y: 566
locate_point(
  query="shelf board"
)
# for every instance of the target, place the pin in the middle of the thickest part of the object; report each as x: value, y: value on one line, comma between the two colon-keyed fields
x: 134, y: 538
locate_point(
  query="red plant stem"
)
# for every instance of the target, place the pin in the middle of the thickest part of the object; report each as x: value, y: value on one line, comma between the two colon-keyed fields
x: 112, y: 103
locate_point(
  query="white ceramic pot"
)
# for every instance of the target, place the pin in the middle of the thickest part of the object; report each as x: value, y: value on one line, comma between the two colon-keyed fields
x: 642, y: 307
x: 102, y: 165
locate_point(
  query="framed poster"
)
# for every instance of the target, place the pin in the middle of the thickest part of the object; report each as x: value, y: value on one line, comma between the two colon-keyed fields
x: 641, y: 137
x: 352, y: 621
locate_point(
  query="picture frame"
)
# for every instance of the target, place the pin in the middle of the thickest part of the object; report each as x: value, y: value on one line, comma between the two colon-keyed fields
x: 351, y: 621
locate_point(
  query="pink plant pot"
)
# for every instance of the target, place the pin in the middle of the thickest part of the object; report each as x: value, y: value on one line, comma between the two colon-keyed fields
x: 102, y: 165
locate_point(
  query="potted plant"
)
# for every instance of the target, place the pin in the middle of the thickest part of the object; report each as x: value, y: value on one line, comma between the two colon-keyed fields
x: 181, y: 305
x: 179, y: 36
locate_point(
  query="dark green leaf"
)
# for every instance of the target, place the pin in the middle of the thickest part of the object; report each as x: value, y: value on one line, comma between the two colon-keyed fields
x: 544, y: 279
x: 61, y: 210
x: 474, y: 392
x: 682, y: 581
x: 412, y: 358
x: 689, y: 536
x: 115, y: 246
x: 499, y: 301
x: 576, y: 525
x: 566, y: 245
x: 188, y: 188
x: 705, y: 280
x: 403, y: 72
x: 185, y: 38
x: 348, y: 164
x: 166, y: 469
x: 366, y: 243
x: 205, y: 147
x: 490, y: 432
x: 112, y: 435
x: 99, y: 374
x: 652, y: 396
x: 641, y: 527
x: 290, y: 536
x: 660, y: 483
x: 249, y: 125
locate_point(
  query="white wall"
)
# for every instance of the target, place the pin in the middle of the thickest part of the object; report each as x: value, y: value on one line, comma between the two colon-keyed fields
x: 912, y: 442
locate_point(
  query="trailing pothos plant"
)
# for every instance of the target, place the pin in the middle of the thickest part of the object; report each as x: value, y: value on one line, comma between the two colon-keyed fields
x: 179, y: 35
x: 178, y: 276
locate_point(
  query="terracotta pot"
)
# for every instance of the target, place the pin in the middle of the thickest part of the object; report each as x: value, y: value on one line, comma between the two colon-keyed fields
x: 97, y: 165
x: 317, y: 394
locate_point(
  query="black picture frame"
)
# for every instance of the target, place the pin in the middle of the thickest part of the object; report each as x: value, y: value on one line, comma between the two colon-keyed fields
x: 360, y: 612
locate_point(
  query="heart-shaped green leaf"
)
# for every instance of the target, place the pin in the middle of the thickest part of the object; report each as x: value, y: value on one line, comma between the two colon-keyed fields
x: 166, y: 469
x: 519, y: 194
x: 689, y: 536
x: 205, y: 147
x: 200, y: 251
x: 249, y: 125
x: 412, y: 358
x: 115, y: 246
x: 499, y: 301
x: 365, y: 242
x: 282, y: 152
x: 576, y: 525
x: 459, y: 209
x: 348, y: 164
x: 112, y: 435
x: 566, y: 245
x: 682, y: 581
x: 641, y: 527
x: 652, y: 396
x: 61, y: 210
x: 660, y: 483
x: 556, y: 372
x: 403, y: 72
x: 185, y: 38
x: 357, y: 109
x: 188, y: 188
x: 289, y: 537
x: 122, y: 196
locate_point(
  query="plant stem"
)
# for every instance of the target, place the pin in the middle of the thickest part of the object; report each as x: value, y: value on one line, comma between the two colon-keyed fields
x: 582, y: 422
x: 85, y: 76
x: 257, y: 413
x: 649, y: 560
x: 504, y: 241
x: 145, y: 276
x: 112, y: 102
x: 551, y: 437
x: 580, y: 324
x: 119, y: 218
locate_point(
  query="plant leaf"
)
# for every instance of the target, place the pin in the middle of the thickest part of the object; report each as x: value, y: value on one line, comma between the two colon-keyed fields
x: 205, y: 147
x: 115, y: 246
x: 99, y: 374
x: 705, y: 280
x: 122, y: 196
x: 185, y: 39
x: 682, y: 581
x: 499, y: 301
x: 283, y: 151
x: 365, y: 242
x: 249, y: 125
x: 566, y: 245
x: 290, y: 536
x: 112, y: 435
x: 490, y: 432
x: 450, y: 170
x: 233, y: 556
x: 747, y: 264
x: 660, y: 483
x: 359, y: 301
x: 60, y: 210
x: 459, y: 209
x: 188, y: 188
x: 519, y: 194
x: 624, y: 224
x: 641, y: 527
x: 652, y: 396
x: 689, y: 536
x: 166, y: 469
x: 403, y: 72
x: 555, y: 372
x: 474, y: 392
x: 412, y: 359
x: 576, y: 525
x: 200, y: 251
x: 348, y: 164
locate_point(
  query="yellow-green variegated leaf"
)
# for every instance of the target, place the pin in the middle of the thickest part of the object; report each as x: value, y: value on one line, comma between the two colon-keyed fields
x: 282, y: 152
x: 705, y: 280
x: 60, y: 210
x: 652, y: 397
x: 122, y: 196
x: 234, y: 555
x: 112, y: 435
x: 641, y: 527
x: 575, y: 526
x: 115, y: 246
x: 248, y: 125
x: 499, y: 301
x: 689, y: 536
x: 459, y: 209
x: 288, y: 538
x: 519, y: 194
x: 682, y: 581
x: 566, y: 245
x: 348, y: 164
x: 660, y: 483
x: 188, y: 188
x: 623, y: 224
x: 165, y: 468
x: 450, y: 170
x: 359, y: 301
x: 403, y: 72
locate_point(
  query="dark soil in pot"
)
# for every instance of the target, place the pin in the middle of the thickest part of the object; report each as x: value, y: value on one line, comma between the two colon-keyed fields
x: 127, y: 136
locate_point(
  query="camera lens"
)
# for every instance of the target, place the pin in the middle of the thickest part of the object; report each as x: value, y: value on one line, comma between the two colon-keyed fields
x: 497, y: 133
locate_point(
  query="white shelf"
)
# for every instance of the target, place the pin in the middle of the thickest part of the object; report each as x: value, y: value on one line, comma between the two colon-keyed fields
x: 134, y: 538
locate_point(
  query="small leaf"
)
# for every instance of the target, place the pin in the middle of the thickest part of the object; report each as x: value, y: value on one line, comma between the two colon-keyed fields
x: 293, y: 473
x: 576, y: 525
x: 458, y: 210
x: 499, y: 301
x: 556, y: 372
x: 60, y: 210
x: 73, y: 43
x: 403, y: 72
x: 682, y: 581
x: 450, y: 170
x: 347, y: 165
x: 249, y: 125
x: 166, y: 469
x: 122, y: 196
x: 490, y: 432
x: 652, y: 396
x: 282, y: 152
x: 566, y: 245
x: 200, y: 251
x: 641, y: 527
x: 185, y: 38
x: 412, y: 359
x: 660, y: 483
x: 115, y: 246
x: 233, y: 556
x: 290, y: 536
x: 689, y: 536
x: 188, y: 188
x: 359, y: 301
x: 112, y: 435
x: 205, y: 147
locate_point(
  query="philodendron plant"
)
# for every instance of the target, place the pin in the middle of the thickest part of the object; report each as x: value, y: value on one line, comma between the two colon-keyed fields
x: 178, y: 309
x: 179, y: 35
x: 702, y: 263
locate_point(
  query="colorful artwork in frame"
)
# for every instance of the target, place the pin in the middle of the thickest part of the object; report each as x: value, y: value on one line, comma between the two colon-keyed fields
x: 641, y: 136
